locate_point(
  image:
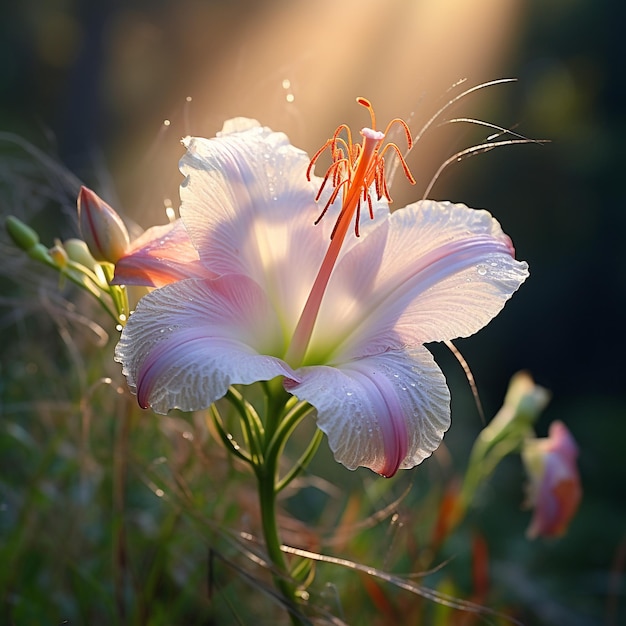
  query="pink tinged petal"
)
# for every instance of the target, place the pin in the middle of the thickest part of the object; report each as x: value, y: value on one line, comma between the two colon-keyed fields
x: 434, y: 271
x: 384, y: 412
x: 562, y: 443
x: 161, y: 255
x: 189, y: 341
x: 555, y: 491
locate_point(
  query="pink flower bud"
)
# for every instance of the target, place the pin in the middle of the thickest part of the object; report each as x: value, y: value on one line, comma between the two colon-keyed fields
x: 101, y: 227
x: 554, y: 490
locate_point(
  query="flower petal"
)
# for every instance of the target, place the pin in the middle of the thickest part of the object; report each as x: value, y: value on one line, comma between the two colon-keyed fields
x: 188, y: 341
x: 555, y: 490
x: 249, y: 209
x: 433, y: 271
x: 161, y: 255
x: 385, y: 412
x: 241, y: 188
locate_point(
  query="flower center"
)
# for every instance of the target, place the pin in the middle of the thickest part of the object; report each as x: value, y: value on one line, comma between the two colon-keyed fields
x: 357, y: 170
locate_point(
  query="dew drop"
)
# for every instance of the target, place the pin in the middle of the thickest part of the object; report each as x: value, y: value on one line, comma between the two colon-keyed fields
x: 482, y: 270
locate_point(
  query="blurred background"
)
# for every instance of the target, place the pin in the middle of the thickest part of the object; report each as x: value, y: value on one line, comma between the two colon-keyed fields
x: 103, y: 92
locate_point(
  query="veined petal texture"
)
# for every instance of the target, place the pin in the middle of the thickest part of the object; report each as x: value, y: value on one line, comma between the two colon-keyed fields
x: 188, y: 341
x: 433, y: 271
x: 385, y: 412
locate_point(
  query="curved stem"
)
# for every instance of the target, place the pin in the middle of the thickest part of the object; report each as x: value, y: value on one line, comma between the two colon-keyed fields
x: 229, y: 443
x: 302, y: 462
x: 286, y: 426
x: 252, y: 426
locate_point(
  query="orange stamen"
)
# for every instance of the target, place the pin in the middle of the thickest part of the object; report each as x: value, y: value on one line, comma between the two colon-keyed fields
x: 356, y: 168
x: 346, y: 158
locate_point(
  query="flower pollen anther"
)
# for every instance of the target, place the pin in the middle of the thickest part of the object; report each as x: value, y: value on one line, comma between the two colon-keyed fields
x: 357, y: 167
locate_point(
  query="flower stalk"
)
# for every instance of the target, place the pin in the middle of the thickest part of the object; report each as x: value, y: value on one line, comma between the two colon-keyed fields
x: 267, y: 476
x: 264, y: 441
x: 73, y: 261
x: 505, y: 434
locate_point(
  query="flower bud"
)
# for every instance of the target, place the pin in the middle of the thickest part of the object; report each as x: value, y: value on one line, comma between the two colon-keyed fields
x: 23, y: 235
x: 525, y: 399
x: 101, y: 227
x: 78, y: 252
x: 523, y: 404
x: 58, y: 254
x: 554, y: 490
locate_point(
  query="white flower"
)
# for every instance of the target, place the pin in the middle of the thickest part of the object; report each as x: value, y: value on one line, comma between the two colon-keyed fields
x: 342, y: 319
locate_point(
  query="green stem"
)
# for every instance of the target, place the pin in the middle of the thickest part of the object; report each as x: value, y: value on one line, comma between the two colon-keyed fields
x: 267, y: 499
x: 265, y: 440
x: 252, y: 427
x: 277, y: 401
x: 302, y: 462
x: 87, y: 284
x: 486, y: 454
x: 282, y: 416
x: 285, y: 427
x: 229, y: 443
